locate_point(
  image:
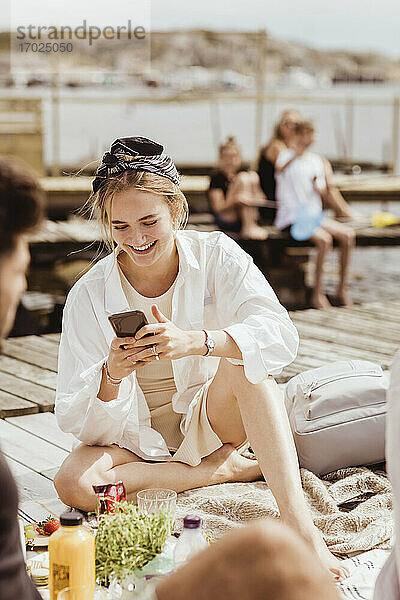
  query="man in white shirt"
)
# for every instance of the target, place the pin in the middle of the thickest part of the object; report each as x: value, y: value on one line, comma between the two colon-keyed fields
x: 301, y: 186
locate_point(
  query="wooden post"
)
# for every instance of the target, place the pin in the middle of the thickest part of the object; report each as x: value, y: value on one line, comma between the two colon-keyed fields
x: 262, y: 47
x: 215, y: 120
x: 395, y: 135
x: 349, y: 128
x: 55, y: 124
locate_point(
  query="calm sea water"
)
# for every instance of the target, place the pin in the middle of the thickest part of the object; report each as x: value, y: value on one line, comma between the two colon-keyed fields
x: 89, y: 119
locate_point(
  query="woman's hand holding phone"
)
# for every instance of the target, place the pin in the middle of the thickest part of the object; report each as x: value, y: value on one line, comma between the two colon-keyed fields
x: 169, y: 341
x: 121, y: 359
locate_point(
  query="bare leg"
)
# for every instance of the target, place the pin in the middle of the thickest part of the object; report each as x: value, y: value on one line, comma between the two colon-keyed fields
x: 88, y: 465
x: 334, y: 198
x: 236, y: 406
x: 323, y: 242
x: 242, y: 192
x: 346, y: 239
x: 263, y: 560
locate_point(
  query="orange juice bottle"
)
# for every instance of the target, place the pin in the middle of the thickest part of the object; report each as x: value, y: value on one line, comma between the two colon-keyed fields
x: 71, y: 557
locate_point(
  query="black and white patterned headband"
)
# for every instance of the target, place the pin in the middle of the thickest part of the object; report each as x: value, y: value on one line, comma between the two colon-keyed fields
x: 138, y: 153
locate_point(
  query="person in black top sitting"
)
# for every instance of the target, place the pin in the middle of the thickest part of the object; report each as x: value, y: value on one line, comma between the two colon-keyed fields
x: 235, y: 196
x: 281, y: 140
x: 20, y: 210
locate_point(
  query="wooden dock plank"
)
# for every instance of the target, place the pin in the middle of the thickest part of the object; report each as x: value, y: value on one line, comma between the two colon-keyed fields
x: 351, y: 323
x: 11, y: 405
x: 18, y: 351
x: 53, y: 337
x: 31, y: 451
x: 44, y: 426
x: 27, y: 390
x: 32, y: 373
x: 38, y: 344
x: 38, y: 510
x: 31, y: 485
x: 361, y: 340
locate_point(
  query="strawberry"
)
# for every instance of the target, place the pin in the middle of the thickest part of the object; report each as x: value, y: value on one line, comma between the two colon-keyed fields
x: 48, y: 526
x: 51, y: 526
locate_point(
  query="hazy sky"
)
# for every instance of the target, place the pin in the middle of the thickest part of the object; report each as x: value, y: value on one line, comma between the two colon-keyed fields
x: 344, y: 24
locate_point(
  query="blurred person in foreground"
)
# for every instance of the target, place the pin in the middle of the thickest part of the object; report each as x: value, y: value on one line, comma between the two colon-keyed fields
x: 387, y: 585
x: 21, y: 202
x: 235, y: 195
x: 300, y: 190
x: 283, y: 138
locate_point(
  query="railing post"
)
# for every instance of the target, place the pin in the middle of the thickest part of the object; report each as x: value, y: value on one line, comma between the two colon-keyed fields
x: 262, y: 47
x: 349, y: 128
x: 55, y: 125
x: 215, y: 120
x: 395, y: 136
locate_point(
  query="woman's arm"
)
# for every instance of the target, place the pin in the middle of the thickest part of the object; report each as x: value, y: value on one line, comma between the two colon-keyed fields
x: 273, y: 150
x: 281, y: 166
x: 171, y: 342
x: 225, y: 346
x: 251, y: 314
x: 219, y: 203
x: 83, y: 350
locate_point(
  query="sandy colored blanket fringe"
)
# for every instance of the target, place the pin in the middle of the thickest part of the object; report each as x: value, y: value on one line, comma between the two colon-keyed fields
x: 368, y: 525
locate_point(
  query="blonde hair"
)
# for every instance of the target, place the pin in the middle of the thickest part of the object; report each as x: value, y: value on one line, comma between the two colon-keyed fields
x: 99, y: 204
x: 304, y: 126
x: 229, y: 144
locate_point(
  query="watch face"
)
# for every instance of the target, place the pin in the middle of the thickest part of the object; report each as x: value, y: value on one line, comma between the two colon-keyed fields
x: 210, y: 345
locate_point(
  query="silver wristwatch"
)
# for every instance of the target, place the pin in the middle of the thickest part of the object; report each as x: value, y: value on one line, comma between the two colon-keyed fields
x: 210, y: 343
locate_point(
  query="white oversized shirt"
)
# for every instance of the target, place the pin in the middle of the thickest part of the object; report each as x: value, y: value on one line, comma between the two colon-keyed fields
x: 217, y: 287
x: 296, y: 185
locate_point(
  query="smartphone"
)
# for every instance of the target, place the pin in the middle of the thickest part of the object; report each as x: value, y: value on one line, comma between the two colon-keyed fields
x: 127, y: 324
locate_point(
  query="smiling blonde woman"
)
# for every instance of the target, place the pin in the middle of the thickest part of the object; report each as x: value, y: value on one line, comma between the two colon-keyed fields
x: 173, y: 413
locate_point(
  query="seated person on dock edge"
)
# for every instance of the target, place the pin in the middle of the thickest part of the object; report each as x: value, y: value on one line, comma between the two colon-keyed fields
x: 235, y: 196
x: 300, y: 187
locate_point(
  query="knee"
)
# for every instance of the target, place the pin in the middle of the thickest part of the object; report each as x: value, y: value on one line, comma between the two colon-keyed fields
x: 75, y: 490
x: 348, y: 238
x: 253, y: 177
x: 243, y: 177
x: 324, y: 241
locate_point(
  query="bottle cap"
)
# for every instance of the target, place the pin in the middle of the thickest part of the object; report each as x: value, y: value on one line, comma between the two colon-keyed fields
x: 71, y: 518
x: 191, y: 522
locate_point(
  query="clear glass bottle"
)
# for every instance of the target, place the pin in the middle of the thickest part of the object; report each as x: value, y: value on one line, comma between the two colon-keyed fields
x: 71, y: 556
x: 191, y: 540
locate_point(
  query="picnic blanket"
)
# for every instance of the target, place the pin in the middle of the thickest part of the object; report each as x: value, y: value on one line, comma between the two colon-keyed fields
x: 352, y: 507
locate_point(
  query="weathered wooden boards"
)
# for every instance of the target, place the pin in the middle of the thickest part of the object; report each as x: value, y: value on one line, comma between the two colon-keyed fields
x: 28, y: 371
x: 28, y: 365
x: 368, y: 332
x: 66, y: 194
x: 35, y: 448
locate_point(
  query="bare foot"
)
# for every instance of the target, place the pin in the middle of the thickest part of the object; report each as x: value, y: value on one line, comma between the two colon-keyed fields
x: 254, y: 232
x: 344, y: 298
x: 320, y: 301
x: 314, y: 538
x: 333, y: 564
x: 227, y: 465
